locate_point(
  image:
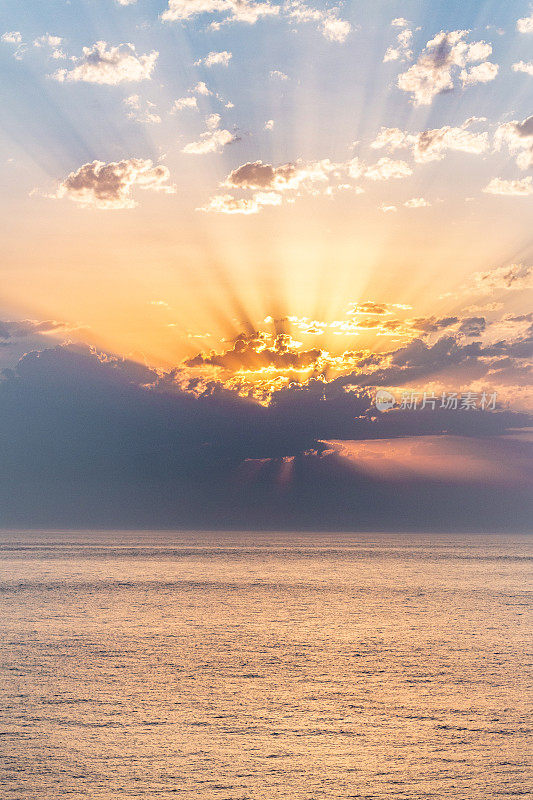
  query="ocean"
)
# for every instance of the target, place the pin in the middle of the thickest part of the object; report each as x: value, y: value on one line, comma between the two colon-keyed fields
x: 225, y: 666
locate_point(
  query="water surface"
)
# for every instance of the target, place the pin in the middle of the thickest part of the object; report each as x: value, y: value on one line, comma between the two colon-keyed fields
x: 264, y: 666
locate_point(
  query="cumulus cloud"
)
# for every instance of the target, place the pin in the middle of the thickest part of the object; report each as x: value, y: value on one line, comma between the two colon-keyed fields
x: 401, y: 51
x: 522, y: 187
x: 51, y: 42
x: 518, y: 138
x: 278, y: 74
x: 184, y: 102
x: 432, y: 145
x: 110, y: 186
x: 525, y: 24
x: 15, y: 38
x: 212, y: 59
x: 294, y: 179
x: 232, y: 10
x: 110, y: 65
x: 444, y: 58
x: 213, y: 140
x: 12, y: 37
x: 386, y: 168
x: 524, y: 66
x: 328, y: 22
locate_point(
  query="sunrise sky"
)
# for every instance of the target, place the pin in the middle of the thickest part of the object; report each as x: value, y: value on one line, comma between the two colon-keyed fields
x: 261, y: 198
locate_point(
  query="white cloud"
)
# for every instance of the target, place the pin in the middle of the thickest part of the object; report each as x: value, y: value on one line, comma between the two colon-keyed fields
x: 432, y: 145
x: 417, y: 202
x: 328, y: 22
x: 386, y: 168
x: 442, y: 58
x: 212, y: 59
x: 15, y: 37
x: 514, y: 188
x: 201, y: 88
x: 12, y: 37
x: 518, y: 138
x: 234, y: 10
x: 401, y: 51
x: 524, y: 66
x: 276, y: 73
x: 227, y: 204
x: 387, y: 209
x: 213, y: 140
x: 184, y: 102
x: 109, y: 186
x: 113, y: 65
x: 269, y: 124
x: 481, y: 73
x: 525, y: 25
x: 48, y: 41
x: 141, y: 110
x: 126, y: 2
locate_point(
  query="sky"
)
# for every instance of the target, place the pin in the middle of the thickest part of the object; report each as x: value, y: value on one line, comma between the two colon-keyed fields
x: 227, y: 223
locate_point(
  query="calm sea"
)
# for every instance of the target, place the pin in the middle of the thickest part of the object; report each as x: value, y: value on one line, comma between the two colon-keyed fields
x: 264, y: 666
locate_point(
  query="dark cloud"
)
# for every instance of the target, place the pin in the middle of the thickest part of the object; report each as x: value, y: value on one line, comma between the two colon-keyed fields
x: 93, y: 440
x: 432, y: 324
x: 473, y: 326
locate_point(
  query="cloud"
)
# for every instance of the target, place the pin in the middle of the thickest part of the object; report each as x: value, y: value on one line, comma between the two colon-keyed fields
x: 256, y: 175
x: 513, y: 276
x: 525, y: 24
x: 386, y: 168
x: 444, y: 58
x: 524, y: 66
x: 417, y: 202
x: 276, y: 73
x: 295, y: 179
x: 432, y: 145
x: 328, y: 21
x: 233, y: 10
x: 110, y: 65
x: 331, y: 26
x: 401, y: 51
x: 213, y: 140
x: 109, y: 186
x: 481, y: 73
x: 269, y: 125
x: 20, y: 329
x: 253, y: 353
x: 12, y: 37
x: 513, y: 188
x: 141, y: 110
x: 113, y: 444
x: 202, y: 88
x: 212, y: 59
x: 52, y: 42
x: 518, y: 138
x: 184, y: 102
x: 227, y: 204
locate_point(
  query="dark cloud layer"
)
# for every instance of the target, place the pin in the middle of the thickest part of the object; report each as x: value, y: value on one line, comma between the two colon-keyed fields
x: 96, y: 441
